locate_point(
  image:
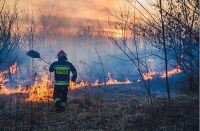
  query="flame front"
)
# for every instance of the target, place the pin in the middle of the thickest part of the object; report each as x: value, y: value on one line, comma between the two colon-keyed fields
x: 171, y: 72
x: 149, y: 75
x: 42, y: 90
x: 110, y: 81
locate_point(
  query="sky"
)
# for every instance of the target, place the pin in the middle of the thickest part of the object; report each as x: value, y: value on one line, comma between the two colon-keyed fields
x: 89, y: 9
x: 77, y: 12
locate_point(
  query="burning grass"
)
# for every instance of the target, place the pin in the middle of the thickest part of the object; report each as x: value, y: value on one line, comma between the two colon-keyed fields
x: 42, y: 90
x: 32, y: 108
x: 152, y: 74
x: 171, y: 72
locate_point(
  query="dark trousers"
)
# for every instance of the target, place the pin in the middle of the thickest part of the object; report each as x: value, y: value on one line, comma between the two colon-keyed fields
x: 60, y: 92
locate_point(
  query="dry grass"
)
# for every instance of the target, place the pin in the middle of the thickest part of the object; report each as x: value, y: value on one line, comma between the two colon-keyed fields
x: 96, y: 113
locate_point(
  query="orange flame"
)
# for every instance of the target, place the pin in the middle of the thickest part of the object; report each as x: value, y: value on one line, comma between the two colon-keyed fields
x: 110, y: 81
x: 12, y: 69
x: 149, y: 75
x: 43, y: 91
x: 3, y: 89
x: 171, y: 72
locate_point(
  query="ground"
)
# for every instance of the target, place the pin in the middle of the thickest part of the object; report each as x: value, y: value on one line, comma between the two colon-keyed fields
x: 96, y: 112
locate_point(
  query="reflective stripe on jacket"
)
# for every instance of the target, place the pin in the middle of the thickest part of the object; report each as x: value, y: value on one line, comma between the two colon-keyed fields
x: 62, y: 69
x: 61, y: 83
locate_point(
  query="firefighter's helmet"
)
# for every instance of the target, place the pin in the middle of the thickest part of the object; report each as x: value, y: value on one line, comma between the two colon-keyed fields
x: 61, y: 53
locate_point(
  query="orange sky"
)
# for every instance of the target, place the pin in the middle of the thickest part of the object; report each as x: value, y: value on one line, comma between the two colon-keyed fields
x: 74, y: 12
x: 92, y: 9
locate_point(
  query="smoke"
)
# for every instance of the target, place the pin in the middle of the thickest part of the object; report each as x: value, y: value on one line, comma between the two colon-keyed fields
x: 82, y: 54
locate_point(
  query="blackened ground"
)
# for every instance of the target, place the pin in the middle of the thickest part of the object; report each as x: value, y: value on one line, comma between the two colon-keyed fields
x: 96, y: 112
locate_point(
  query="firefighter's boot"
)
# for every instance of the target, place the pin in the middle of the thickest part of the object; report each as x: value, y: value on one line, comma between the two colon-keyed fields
x: 59, y: 107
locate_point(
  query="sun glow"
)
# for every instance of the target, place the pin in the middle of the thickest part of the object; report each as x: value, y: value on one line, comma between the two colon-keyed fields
x: 118, y: 33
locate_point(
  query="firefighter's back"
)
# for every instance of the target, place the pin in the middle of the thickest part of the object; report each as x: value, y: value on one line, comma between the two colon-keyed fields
x: 62, y: 71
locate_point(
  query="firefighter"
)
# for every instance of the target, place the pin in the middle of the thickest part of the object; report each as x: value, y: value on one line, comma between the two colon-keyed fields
x: 62, y: 69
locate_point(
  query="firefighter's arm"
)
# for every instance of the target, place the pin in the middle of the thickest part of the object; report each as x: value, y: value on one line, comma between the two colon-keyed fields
x: 74, y: 73
x: 51, y: 68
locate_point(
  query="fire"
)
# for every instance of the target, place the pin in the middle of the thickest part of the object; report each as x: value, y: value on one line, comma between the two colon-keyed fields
x: 96, y: 83
x: 42, y: 90
x: 110, y: 81
x: 171, y: 72
x: 12, y: 69
x: 6, y: 91
x: 3, y: 89
x: 73, y: 85
x: 149, y: 75
x: 39, y: 91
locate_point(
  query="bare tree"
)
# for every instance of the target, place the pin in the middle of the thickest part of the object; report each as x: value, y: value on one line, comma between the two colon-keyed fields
x: 9, y: 34
x: 165, y: 50
x: 180, y: 22
x: 134, y: 56
x: 174, y: 28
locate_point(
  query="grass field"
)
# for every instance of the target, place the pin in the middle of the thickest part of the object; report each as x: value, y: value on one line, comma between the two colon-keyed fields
x: 111, y: 111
